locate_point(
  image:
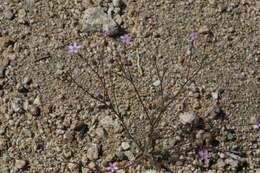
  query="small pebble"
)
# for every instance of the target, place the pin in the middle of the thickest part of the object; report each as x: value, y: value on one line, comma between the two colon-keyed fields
x: 5, y: 42
x: 92, y: 165
x: 86, y: 170
x: 67, y: 154
x: 116, y: 3
x: 69, y: 135
x: 16, y: 106
x: 215, y: 95
x: 20, y: 164
x: 125, y: 145
x: 93, y: 152
x: 203, y: 30
x: 188, y: 118
x: 37, y: 101
x: 221, y: 163
x: 73, y: 167
x: 157, y: 83
x: 34, y: 110
x: 27, y: 80
x: 100, y: 132
x: 129, y: 155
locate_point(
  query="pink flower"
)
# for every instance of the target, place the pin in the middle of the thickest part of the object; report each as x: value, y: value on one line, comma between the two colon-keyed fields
x: 112, y: 167
x: 204, y: 156
x: 74, y: 48
x: 125, y: 38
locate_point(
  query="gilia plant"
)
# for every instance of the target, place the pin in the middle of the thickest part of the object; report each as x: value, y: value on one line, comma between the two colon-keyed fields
x: 117, y: 82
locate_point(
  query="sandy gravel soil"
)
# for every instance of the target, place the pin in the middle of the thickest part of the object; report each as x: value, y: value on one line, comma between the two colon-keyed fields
x: 49, y: 124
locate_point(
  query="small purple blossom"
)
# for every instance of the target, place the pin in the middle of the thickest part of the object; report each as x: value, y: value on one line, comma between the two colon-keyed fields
x: 194, y: 36
x: 74, y: 48
x: 258, y: 121
x: 204, y: 156
x: 125, y: 38
x: 112, y: 167
x: 107, y: 33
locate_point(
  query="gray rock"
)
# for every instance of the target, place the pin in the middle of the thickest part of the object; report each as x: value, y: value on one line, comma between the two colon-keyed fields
x: 214, y: 112
x: 233, y: 163
x: 220, y: 163
x: 129, y: 155
x: 8, y: 14
x: 101, y: 132
x: 93, y: 152
x: 16, y: 106
x: 95, y: 20
x: 235, y: 156
x: 171, y: 143
x: 69, y: 135
x: 107, y: 122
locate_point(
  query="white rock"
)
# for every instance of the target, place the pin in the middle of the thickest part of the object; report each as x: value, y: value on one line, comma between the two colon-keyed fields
x: 157, y: 83
x: 188, y: 118
x: 215, y: 95
x: 125, y: 145
x: 37, y: 101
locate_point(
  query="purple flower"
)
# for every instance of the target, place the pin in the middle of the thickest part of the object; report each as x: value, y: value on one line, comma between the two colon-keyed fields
x: 125, y: 38
x: 258, y: 121
x: 106, y: 33
x: 204, y: 156
x: 112, y: 167
x: 194, y: 36
x: 74, y: 48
